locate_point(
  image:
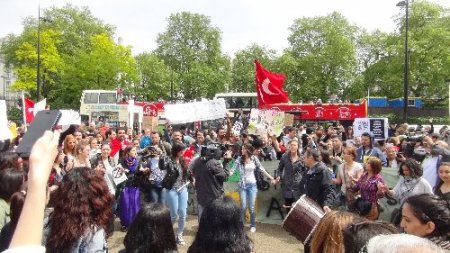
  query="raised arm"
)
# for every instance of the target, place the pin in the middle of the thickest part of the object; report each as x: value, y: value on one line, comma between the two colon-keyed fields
x: 31, y: 221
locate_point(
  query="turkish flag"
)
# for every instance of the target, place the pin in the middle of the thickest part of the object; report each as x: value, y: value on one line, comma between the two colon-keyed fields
x: 28, y: 110
x: 269, y: 86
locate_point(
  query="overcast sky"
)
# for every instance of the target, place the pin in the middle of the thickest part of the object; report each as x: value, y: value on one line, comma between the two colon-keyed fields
x: 242, y: 22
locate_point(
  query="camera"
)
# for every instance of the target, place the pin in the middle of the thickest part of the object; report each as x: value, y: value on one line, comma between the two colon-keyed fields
x: 416, y: 138
x: 211, y: 152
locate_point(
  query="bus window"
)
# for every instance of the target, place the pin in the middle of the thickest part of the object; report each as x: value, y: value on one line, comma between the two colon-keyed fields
x: 108, y: 98
x: 84, y: 118
x: 91, y: 98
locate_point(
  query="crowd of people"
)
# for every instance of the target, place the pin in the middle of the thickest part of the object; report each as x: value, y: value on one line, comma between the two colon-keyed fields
x: 65, y: 196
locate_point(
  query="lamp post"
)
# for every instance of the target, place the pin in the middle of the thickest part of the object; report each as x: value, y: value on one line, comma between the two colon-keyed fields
x: 38, y: 74
x: 405, y: 3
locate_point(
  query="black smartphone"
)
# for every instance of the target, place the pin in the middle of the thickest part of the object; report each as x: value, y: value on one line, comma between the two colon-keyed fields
x: 43, y: 121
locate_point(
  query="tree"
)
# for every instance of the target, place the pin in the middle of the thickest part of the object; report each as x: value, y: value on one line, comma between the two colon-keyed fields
x: 77, y: 52
x: 156, y: 77
x: 325, y: 54
x: 190, y: 46
x: 429, y: 64
x: 243, y: 68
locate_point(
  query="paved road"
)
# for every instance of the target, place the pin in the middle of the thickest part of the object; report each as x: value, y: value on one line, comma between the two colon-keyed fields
x: 268, y: 238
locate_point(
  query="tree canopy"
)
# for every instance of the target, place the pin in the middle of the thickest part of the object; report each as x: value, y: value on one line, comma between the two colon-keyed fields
x: 326, y: 55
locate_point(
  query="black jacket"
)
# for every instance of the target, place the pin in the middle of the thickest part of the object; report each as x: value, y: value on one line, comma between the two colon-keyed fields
x: 291, y: 175
x: 209, y: 177
x: 316, y: 184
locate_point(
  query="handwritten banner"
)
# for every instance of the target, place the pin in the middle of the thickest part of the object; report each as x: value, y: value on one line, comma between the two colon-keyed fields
x: 265, y: 121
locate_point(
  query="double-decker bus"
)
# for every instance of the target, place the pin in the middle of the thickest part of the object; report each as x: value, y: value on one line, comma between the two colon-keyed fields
x: 101, y: 106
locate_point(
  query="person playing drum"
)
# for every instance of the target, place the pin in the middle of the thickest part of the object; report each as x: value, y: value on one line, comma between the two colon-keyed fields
x: 316, y: 182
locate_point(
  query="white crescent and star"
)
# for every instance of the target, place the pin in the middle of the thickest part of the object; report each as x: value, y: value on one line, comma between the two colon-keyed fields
x: 265, y: 87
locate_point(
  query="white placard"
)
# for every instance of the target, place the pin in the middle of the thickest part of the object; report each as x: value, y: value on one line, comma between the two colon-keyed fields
x: 195, y: 111
x: 5, y: 134
x: 266, y: 121
x: 69, y: 117
x: 378, y: 126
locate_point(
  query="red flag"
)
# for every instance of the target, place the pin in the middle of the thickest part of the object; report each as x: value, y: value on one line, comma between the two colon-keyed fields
x: 269, y: 86
x: 28, y: 110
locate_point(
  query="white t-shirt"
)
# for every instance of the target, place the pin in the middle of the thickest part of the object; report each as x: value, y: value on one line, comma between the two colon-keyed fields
x: 353, y: 171
x: 109, y: 177
x: 249, y: 176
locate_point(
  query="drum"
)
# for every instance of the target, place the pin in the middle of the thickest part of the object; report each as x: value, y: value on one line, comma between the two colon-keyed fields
x: 303, y: 218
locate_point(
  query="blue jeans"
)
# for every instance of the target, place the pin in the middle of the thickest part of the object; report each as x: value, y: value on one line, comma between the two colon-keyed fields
x: 177, y: 203
x: 248, y: 198
x: 158, y: 194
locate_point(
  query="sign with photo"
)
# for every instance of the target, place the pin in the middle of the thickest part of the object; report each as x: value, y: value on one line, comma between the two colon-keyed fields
x: 378, y: 126
x: 266, y: 121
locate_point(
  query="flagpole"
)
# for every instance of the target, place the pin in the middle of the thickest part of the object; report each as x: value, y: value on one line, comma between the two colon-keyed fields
x: 23, y: 111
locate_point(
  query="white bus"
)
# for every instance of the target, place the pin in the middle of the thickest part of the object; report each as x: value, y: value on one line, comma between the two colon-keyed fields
x: 101, y: 106
x: 239, y: 100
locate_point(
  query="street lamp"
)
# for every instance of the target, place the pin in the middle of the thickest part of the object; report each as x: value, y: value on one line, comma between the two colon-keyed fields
x: 405, y: 4
x: 38, y: 76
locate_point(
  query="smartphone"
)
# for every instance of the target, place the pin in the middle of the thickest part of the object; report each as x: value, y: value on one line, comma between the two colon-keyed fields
x: 43, y: 121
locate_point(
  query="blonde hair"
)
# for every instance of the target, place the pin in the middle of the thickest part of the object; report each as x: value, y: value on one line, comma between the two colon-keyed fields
x: 328, y: 237
x: 66, y: 149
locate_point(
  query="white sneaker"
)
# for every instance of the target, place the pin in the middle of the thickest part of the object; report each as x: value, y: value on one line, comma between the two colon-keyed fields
x: 253, y: 229
x: 180, y: 240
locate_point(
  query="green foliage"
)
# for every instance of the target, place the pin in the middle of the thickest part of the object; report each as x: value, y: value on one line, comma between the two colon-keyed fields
x: 243, y: 67
x: 156, y: 77
x: 397, y: 118
x: 190, y: 46
x: 429, y: 64
x: 325, y: 55
x: 77, y: 52
x: 14, y: 114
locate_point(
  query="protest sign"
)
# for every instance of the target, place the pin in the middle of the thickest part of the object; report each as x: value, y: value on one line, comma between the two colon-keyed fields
x: 266, y: 121
x: 150, y: 122
x: 5, y: 134
x: 195, y: 111
x: 378, y: 126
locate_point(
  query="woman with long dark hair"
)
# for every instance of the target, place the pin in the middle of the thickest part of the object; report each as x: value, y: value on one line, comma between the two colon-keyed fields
x: 130, y: 162
x: 151, y: 231
x: 410, y: 183
x: 247, y: 164
x: 82, y: 209
x: 290, y: 172
x: 442, y: 188
x: 176, y: 190
x: 221, y: 229
x: 11, y: 181
x: 428, y: 216
x: 17, y: 201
